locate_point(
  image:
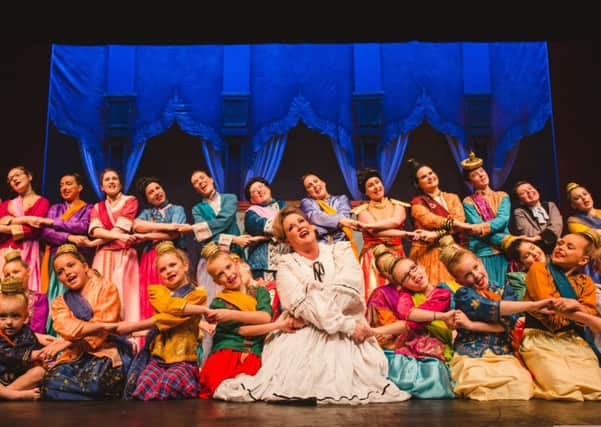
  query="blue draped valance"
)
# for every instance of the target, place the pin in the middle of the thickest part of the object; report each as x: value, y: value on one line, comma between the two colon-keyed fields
x: 312, y: 83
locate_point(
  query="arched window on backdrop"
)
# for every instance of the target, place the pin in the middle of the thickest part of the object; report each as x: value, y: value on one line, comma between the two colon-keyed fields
x: 307, y: 151
x: 172, y: 156
x: 426, y: 145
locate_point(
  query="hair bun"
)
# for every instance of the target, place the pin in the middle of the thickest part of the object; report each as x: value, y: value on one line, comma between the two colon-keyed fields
x: 209, y: 250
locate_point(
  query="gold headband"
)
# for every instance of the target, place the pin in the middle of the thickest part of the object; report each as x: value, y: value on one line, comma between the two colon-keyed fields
x: 571, y: 186
x: 472, y: 162
x: 446, y: 240
x: 164, y: 247
x: 209, y: 250
x: 592, y: 236
x: 67, y: 248
x: 448, y: 253
x: 508, y: 241
x: 12, y: 255
x: 11, y: 285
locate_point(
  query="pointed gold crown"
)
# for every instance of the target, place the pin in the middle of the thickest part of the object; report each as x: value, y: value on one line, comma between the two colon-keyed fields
x: 11, y: 285
x: 67, y: 248
x: 209, y: 250
x: 164, y: 247
x: 12, y: 255
x: 571, y: 186
x: 472, y: 162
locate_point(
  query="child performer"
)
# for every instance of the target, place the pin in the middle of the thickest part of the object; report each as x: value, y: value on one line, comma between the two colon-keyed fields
x: 21, y: 368
x: 243, y: 312
x: 167, y: 368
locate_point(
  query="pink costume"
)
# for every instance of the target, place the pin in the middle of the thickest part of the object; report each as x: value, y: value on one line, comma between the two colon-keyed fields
x: 23, y: 237
x: 115, y: 260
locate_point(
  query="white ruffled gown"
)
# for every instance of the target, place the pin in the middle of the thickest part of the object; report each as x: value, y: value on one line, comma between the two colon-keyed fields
x: 319, y: 361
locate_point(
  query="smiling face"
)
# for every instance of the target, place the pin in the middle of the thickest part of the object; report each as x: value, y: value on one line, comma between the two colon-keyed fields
x: 299, y: 232
x: 315, y: 187
x: 527, y: 195
x: 225, y: 272
x: 72, y: 272
x: 202, y: 183
x: 569, y: 252
x: 374, y: 189
x: 69, y: 188
x: 19, y: 180
x: 479, y: 178
x: 173, y: 271
x: 581, y: 199
x: 469, y: 271
x: 13, y: 314
x: 529, y: 253
x: 427, y: 180
x: 259, y: 193
x: 17, y: 270
x: 155, y: 195
x: 110, y: 183
x: 410, y: 275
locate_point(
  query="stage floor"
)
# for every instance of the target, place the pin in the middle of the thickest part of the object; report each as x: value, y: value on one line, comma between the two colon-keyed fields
x: 445, y: 413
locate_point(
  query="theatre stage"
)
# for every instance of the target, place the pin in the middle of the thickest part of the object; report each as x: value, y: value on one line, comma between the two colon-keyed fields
x: 444, y: 413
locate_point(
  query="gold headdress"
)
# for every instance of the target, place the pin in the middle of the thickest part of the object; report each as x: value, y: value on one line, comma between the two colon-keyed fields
x: 67, y: 248
x: 11, y: 285
x: 508, y: 241
x: 385, y: 260
x: 448, y: 255
x: 592, y: 236
x: 209, y: 250
x: 164, y: 246
x: 446, y: 240
x: 12, y: 255
x: 472, y: 162
x: 571, y: 186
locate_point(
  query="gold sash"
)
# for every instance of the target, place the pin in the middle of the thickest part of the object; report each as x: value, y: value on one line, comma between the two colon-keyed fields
x: 346, y: 230
x: 238, y: 299
x: 45, y: 265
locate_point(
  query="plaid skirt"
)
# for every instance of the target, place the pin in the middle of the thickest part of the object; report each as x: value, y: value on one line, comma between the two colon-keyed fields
x: 163, y: 381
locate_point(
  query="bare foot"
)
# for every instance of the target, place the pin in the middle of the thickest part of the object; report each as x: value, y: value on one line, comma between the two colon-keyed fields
x: 31, y: 394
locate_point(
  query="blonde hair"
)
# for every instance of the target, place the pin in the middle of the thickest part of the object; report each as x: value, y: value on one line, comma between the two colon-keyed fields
x: 168, y: 247
x: 278, y: 230
x: 451, y: 255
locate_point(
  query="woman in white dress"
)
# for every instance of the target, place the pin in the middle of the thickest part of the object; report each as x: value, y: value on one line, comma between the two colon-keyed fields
x: 330, y: 358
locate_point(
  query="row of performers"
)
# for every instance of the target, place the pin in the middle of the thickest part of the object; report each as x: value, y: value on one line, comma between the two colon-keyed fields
x: 312, y: 338
x: 108, y: 231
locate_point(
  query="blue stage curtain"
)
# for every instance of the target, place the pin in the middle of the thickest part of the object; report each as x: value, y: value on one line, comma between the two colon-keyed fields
x: 77, y: 82
x: 312, y: 83
x: 521, y: 94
